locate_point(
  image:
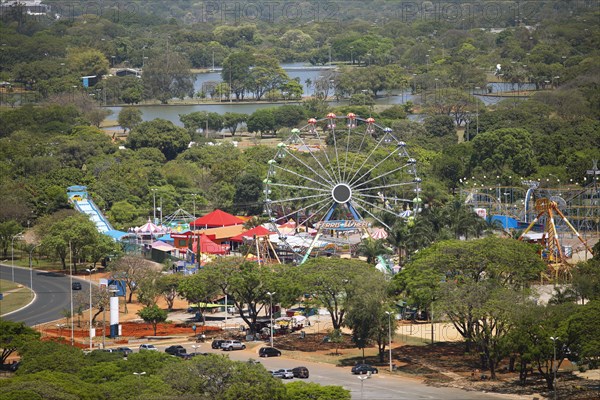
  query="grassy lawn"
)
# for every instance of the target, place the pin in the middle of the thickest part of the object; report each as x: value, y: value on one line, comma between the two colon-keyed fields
x: 15, y: 296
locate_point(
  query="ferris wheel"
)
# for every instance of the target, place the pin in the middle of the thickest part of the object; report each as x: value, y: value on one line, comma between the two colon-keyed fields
x: 338, y: 173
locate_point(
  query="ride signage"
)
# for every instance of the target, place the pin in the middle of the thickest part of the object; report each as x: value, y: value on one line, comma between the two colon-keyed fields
x: 342, y: 224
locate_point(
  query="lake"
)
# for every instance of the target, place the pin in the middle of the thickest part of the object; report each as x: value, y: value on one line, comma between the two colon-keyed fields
x: 294, y: 70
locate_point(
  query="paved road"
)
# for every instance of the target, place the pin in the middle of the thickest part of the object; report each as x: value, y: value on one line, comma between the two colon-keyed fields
x: 52, y: 294
x: 380, y: 386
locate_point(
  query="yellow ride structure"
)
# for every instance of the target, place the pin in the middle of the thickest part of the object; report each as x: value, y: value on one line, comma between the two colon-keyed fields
x: 555, y: 255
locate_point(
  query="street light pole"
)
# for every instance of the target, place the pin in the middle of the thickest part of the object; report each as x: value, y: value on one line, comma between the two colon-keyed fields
x: 477, y: 115
x: 31, y: 266
x: 271, y: 314
x: 91, y: 337
x: 154, y: 205
x: 554, y: 366
x: 71, y: 292
x: 12, y: 254
x: 194, y: 202
x: 389, y: 314
x: 362, y: 379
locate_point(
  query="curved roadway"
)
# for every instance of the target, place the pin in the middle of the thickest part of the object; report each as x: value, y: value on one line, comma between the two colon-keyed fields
x: 52, y: 295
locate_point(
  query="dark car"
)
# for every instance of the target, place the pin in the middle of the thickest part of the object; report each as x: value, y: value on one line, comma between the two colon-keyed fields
x: 300, y: 372
x: 14, y: 366
x: 269, y: 352
x: 76, y: 286
x: 360, y: 369
x: 125, y: 350
x: 175, y: 349
x: 216, y: 344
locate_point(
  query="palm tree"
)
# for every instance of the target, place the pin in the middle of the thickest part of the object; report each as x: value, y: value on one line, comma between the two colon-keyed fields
x: 371, y: 248
x: 398, y: 237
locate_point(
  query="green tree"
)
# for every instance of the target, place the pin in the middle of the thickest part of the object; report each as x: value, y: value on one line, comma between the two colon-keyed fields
x: 169, y: 288
x: 161, y: 134
x: 129, y: 118
x: 261, y: 121
x: 504, y: 150
x: 440, y: 125
x: 167, y: 75
x: 149, y: 289
x: 87, y: 62
x: 8, y: 230
x: 50, y: 356
x: 236, y: 71
x: 289, y: 116
x: 586, y: 278
x: 310, y: 390
x: 199, y: 289
x: 372, y: 248
x: 71, y: 236
x: 131, y: 270
x: 153, y: 315
x: 248, y: 191
x: 583, y: 330
x: 218, y: 377
x: 13, y: 337
x: 202, y: 120
x: 332, y: 283
x: 232, y: 120
x: 475, y: 284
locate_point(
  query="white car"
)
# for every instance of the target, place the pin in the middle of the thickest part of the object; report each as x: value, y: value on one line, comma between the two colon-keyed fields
x: 283, y: 373
x: 229, y: 345
x: 148, y: 347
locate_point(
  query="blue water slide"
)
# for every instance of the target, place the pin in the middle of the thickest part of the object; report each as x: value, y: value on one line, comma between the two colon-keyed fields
x: 79, y: 197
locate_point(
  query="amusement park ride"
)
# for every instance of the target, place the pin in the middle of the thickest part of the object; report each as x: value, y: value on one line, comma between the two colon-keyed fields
x: 555, y: 213
x: 333, y: 176
x: 550, y: 240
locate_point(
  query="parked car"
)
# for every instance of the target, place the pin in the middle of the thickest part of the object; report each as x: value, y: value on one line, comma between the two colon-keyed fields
x: 229, y: 345
x: 360, y: 369
x: 125, y: 350
x: 175, y: 349
x: 277, y: 373
x: 76, y: 285
x: 216, y: 344
x: 283, y: 374
x: 148, y: 347
x: 268, y: 352
x: 300, y: 372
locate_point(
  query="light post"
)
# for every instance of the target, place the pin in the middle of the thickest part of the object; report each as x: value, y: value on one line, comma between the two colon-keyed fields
x: 362, y: 379
x: 12, y: 254
x: 554, y: 364
x: 194, y: 203
x: 389, y: 314
x: 138, y: 374
x: 91, y: 337
x: 71, y: 293
x: 154, y: 205
x: 195, y: 347
x: 31, y: 266
x: 351, y: 55
x: 271, y: 314
x: 477, y: 112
